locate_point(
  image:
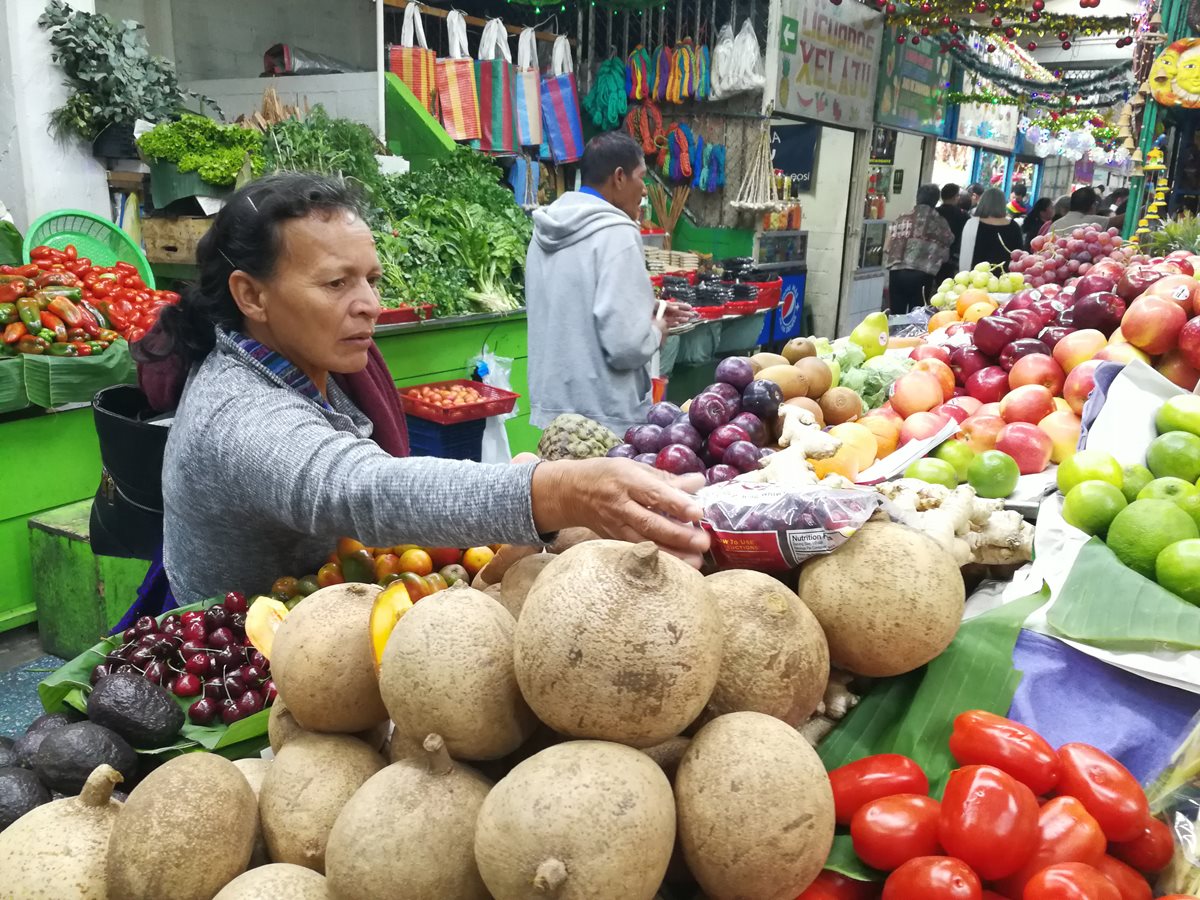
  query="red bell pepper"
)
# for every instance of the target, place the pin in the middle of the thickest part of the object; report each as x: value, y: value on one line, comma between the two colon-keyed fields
x: 67, y: 311
x: 14, y: 332
x: 13, y: 291
x: 82, y: 348
x: 55, y: 324
x: 32, y: 345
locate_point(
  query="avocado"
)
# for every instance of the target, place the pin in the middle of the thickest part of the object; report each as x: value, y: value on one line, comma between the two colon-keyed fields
x: 50, y: 721
x: 8, y: 756
x: 20, y: 791
x: 145, y: 714
x: 68, y: 755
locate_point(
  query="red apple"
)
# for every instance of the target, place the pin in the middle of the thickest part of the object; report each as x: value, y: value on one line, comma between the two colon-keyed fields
x: 1173, y: 266
x: 1052, y: 334
x: 1030, y: 321
x: 1135, y: 281
x: 1110, y: 267
x: 967, y: 402
x: 1122, y: 353
x: 1066, y: 316
x: 988, y: 385
x: 1189, y: 342
x: 1063, y: 428
x: 921, y: 426
x: 1079, y: 384
x: 957, y: 413
x: 966, y: 361
x: 916, y: 392
x: 1078, y: 347
x: 1182, y: 289
x: 1027, y: 444
x: 930, y: 351
x: 1028, y: 403
x: 1018, y: 349
x: 993, y: 333
x: 1022, y: 299
x: 1047, y: 310
x: 1153, y: 324
x: 1176, y: 369
x: 939, y: 370
x: 980, y: 432
x: 1096, y: 281
x: 1037, y: 368
x: 960, y: 328
x: 1102, y: 312
x: 989, y: 409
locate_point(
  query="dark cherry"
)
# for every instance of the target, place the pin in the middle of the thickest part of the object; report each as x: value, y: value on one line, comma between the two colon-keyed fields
x: 230, y: 712
x: 197, y: 664
x: 253, y: 676
x: 186, y: 685
x: 195, y: 631
x: 250, y: 703
x: 192, y: 615
x: 141, y: 658
x: 165, y: 646
x: 237, y: 622
x: 175, y: 629
x: 156, y: 672
x: 145, y: 625
x: 235, y: 602
x: 172, y: 619
x: 126, y: 669
x: 215, y: 617
x: 234, y: 685
x: 146, y: 641
x: 99, y: 672
x: 221, y: 638
x: 269, y: 692
x: 203, y: 711
x: 115, y: 658
x: 190, y: 648
x: 258, y: 660
x: 213, y: 688
x: 129, y: 634
x: 229, y: 658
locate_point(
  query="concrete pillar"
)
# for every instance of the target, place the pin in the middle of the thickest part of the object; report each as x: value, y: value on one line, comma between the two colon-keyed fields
x: 39, y: 173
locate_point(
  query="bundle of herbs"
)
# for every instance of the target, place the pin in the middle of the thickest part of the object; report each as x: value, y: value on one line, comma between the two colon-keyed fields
x: 327, y: 146
x: 454, y: 237
x: 197, y: 144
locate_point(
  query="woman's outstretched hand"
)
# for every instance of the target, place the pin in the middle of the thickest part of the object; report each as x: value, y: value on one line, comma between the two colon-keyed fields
x: 622, y: 500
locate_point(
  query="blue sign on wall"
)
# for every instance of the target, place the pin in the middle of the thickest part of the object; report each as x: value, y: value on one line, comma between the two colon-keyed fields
x: 794, y: 151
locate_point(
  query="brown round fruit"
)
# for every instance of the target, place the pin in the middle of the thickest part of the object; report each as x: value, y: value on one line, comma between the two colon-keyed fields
x: 798, y: 349
x: 760, y: 361
x: 790, y: 380
x: 817, y: 373
x: 840, y: 404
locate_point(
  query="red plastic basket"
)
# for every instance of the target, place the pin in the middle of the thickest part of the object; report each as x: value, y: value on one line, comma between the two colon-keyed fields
x: 741, y: 308
x: 406, y: 314
x: 769, y: 293
x: 496, y: 401
x: 709, y: 312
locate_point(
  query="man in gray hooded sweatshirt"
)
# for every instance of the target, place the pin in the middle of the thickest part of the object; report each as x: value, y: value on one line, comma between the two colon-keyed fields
x: 592, y: 330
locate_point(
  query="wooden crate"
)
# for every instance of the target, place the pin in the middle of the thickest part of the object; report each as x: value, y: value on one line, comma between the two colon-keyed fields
x: 173, y: 239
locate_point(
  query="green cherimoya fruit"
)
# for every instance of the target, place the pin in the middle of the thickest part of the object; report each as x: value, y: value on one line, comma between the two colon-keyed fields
x: 575, y: 437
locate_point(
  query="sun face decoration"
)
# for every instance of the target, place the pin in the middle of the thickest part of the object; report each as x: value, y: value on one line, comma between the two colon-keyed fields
x: 1187, y: 80
x: 1175, y: 75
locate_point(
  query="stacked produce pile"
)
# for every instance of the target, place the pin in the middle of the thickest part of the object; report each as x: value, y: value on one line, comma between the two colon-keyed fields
x: 1055, y: 259
x: 61, y: 305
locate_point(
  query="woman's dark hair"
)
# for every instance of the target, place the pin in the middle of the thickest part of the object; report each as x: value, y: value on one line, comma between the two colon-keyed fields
x: 1033, y: 219
x: 245, y: 236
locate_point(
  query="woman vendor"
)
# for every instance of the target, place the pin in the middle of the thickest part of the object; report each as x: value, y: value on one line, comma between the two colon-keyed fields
x: 288, y: 432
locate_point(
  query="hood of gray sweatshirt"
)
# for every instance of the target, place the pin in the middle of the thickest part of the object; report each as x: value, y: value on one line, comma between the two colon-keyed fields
x: 590, y: 306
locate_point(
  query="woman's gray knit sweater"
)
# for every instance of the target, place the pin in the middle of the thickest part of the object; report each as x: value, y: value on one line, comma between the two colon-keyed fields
x: 260, y: 482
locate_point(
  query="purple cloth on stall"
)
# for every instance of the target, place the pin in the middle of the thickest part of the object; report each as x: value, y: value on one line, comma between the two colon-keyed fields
x: 1104, y: 375
x: 1068, y: 696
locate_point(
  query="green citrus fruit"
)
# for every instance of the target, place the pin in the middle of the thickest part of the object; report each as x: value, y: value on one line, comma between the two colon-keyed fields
x: 1169, y: 488
x: 1180, y: 413
x: 934, y: 471
x: 1178, y: 569
x: 1136, y: 478
x: 1144, y: 529
x: 1089, y: 465
x: 993, y: 474
x: 1191, y: 505
x: 1092, y: 506
x: 958, y: 454
x: 1175, y: 453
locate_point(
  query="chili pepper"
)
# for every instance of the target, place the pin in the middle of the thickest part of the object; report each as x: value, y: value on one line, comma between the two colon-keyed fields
x: 62, y: 350
x: 107, y: 334
x: 14, y: 331
x: 55, y: 279
x: 70, y: 251
x: 6, y: 270
x: 26, y: 271
x: 55, y: 325
x: 87, y: 307
x: 32, y: 345
x: 44, y: 251
x: 84, y: 262
x: 30, y: 313
x: 82, y: 348
x: 133, y: 335
x: 12, y: 292
x: 66, y: 310
x: 8, y: 313
x: 124, y: 268
x: 76, y: 334
x: 9, y: 277
x: 74, y: 294
x: 97, y: 347
x: 48, y: 335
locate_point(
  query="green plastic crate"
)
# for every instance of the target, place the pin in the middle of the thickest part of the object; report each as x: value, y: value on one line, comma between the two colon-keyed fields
x: 94, y: 237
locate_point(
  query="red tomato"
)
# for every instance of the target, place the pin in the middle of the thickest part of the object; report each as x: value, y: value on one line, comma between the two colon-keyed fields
x: 1131, y: 884
x: 1066, y: 833
x: 832, y: 886
x: 992, y: 895
x: 1106, y: 789
x: 1151, y: 852
x: 872, y: 777
x: 890, y: 831
x: 989, y: 820
x: 983, y: 739
x: 933, y: 878
x: 1070, y: 881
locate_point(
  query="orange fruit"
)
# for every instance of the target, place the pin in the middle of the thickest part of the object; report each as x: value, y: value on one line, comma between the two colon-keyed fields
x: 476, y: 558
x: 886, y: 431
x: 942, y: 319
x: 347, y: 546
x: 969, y: 298
x: 386, y: 564
x: 860, y: 439
x: 330, y: 574
x: 416, y: 561
x: 392, y: 603
x: 844, y: 463
x: 977, y: 311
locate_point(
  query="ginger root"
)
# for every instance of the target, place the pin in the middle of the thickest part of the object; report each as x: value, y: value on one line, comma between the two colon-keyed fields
x: 834, y: 706
x: 800, y: 429
x: 970, y: 529
x: 789, y: 467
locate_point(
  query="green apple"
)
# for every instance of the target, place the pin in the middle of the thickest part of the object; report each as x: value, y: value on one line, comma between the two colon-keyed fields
x: 1135, y: 478
x: 933, y: 471
x: 1180, y: 413
x: 958, y: 454
x: 1168, y: 488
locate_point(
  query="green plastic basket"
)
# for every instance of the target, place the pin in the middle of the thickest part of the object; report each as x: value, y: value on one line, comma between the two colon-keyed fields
x: 94, y: 237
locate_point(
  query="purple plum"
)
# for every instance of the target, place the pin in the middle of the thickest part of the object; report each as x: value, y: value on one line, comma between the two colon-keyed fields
x: 678, y: 460
x: 623, y: 451
x: 743, y: 456
x: 752, y: 425
x: 648, y: 439
x: 683, y: 433
x: 709, y: 412
x: 662, y: 414
x: 720, y: 472
x: 735, y: 371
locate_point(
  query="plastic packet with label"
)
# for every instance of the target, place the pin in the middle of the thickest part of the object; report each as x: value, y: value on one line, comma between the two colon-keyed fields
x: 771, y: 528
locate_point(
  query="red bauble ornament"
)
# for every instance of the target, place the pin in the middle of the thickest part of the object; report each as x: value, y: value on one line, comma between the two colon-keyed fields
x: 891, y: 9
x: 991, y: 48
x: 1039, y: 5
x: 1034, y: 16
x: 900, y: 39
x: 916, y: 40
x: 981, y: 7
x: 925, y: 31
x: 926, y: 8
x: 997, y: 22
x: 1032, y: 45
x: 1063, y: 36
x: 954, y: 29
x: 1010, y: 32
x: 945, y: 20
x: 1066, y: 45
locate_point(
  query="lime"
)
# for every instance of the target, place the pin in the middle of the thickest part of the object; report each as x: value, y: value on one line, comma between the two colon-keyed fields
x: 934, y: 471
x: 1191, y: 505
x: 1169, y: 488
x: 1178, y: 569
x: 1175, y: 453
x: 1092, y: 506
x: 1144, y: 529
x: 1136, y: 478
x: 1180, y: 413
x: 958, y: 454
x: 993, y: 474
x: 1089, y: 465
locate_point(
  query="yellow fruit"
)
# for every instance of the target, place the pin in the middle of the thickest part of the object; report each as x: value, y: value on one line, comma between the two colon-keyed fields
x: 942, y: 319
x: 844, y: 463
x: 262, y: 620
x: 860, y: 439
x: 970, y: 298
x: 392, y: 603
x: 886, y: 431
x: 977, y: 311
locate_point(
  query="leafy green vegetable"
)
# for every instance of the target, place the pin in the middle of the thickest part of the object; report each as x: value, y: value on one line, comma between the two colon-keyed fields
x: 872, y: 379
x: 198, y: 144
x: 318, y: 143
x: 849, y: 355
x: 10, y: 245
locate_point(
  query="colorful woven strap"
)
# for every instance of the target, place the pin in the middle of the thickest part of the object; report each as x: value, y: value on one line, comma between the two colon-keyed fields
x: 645, y: 125
x: 703, y: 73
x: 637, y: 74
x: 661, y: 72
x: 677, y: 165
x: 682, y: 84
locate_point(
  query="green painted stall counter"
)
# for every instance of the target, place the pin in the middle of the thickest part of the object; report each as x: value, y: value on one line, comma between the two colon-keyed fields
x: 79, y: 596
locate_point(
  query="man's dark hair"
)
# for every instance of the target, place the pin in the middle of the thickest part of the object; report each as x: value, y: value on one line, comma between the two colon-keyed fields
x: 1019, y: 189
x: 976, y: 189
x: 605, y: 153
x: 1083, y: 201
x: 950, y: 193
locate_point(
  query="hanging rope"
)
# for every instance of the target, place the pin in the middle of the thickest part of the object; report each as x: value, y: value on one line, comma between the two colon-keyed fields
x: 661, y: 72
x: 645, y: 125
x: 703, y: 70
x: 607, y: 101
x: 637, y: 74
x: 682, y: 83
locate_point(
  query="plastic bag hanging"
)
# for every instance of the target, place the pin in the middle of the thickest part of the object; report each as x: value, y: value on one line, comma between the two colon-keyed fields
x: 721, y: 67
x: 747, y: 60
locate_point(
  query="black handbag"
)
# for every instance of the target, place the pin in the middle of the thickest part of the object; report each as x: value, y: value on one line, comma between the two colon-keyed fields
x: 127, y: 514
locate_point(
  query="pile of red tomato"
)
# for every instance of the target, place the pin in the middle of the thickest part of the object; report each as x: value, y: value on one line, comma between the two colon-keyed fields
x: 1017, y: 821
x: 118, y: 291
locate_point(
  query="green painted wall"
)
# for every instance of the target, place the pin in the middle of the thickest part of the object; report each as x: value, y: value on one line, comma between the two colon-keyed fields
x: 722, y: 243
